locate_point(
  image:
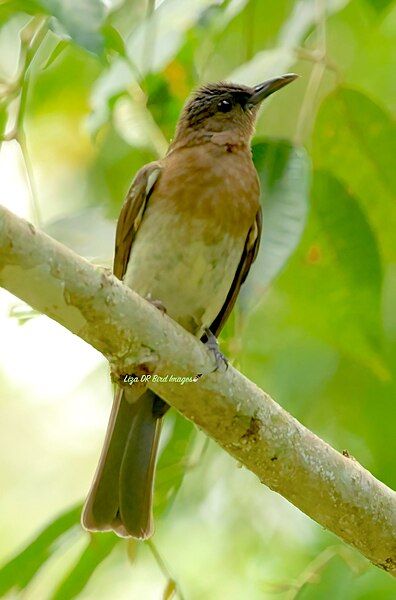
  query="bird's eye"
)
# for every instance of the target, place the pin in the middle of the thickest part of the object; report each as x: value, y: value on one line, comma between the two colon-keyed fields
x: 224, y: 106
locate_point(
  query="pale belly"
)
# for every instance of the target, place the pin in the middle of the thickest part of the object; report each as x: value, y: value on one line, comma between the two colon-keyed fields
x: 172, y: 261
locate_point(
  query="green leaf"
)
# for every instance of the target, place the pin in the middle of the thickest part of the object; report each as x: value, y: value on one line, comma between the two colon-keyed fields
x: 354, y: 247
x: 157, y: 39
x: 173, y: 463
x: 265, y: 64
x: 81, y: 19
x: 98, y: 549
x: 113, y: 39
x: 125, y: 15
x: 335, y: 278
x: 169, y: 34
x: 284, y: 173
x: 260, y: 40
x: 380, y: 5
x: 3, y: 119
x: 75, y: 232
x: 253, y: 29
x: 356, y: 140
x: 110, y: 86
x: 56, y: 52
x: 8, y: 9
x: 113, y: 170
x: 21, y: 569
x: 302, y: 18
x: 362, y: 43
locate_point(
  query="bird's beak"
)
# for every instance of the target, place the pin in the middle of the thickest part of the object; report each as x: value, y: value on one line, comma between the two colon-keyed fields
x: 263, y: 90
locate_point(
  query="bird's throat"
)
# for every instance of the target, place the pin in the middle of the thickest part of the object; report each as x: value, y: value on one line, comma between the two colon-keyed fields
x: 230, y: 140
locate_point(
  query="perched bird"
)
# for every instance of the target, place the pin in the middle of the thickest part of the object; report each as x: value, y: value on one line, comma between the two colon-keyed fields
x: 186, y: 237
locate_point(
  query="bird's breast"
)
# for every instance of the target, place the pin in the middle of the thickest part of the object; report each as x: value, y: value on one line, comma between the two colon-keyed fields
x: 211, y: 184
x: 190, y: 242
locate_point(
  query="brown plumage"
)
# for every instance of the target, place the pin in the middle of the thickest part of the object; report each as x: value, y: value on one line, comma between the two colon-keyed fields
x: 187, y: 235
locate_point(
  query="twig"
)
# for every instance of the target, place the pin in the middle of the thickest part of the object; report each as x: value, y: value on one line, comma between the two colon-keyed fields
x: 32, y: 36
x: 163, y: 567
x: 34, y: 202
x: 308, y: 101
x: 317, y: 73
x: 34, y: 44
x: 188, y: 463
x: 148, y: 45
x: 192, y: 464
x: 316, y: 56
x: 250, y: 28
x: 311, y: 573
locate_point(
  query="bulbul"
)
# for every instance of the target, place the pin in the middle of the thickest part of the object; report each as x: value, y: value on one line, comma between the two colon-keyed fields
x: 186, y: 237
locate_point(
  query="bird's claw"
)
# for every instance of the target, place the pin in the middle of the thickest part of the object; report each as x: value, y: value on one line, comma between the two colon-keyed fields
x: 213, y: 345
x: 157, y: 303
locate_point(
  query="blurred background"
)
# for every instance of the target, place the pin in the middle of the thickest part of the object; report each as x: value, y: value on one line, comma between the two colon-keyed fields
x: 89, y: 92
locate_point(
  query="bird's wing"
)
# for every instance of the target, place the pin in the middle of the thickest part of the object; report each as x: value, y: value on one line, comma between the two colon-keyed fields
x: 132, y: 213
x: 248, y: 256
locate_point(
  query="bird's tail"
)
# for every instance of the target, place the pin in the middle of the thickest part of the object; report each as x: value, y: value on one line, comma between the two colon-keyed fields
x: 120, y: 498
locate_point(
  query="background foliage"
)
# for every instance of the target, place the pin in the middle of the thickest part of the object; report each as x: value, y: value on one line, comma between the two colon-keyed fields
x: 91, y: 91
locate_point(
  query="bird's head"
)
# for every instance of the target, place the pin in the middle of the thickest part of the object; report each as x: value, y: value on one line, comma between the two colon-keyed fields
x: 226, y: 107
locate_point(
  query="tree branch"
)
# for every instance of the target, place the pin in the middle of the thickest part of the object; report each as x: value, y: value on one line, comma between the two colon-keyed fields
x: 135, y: 337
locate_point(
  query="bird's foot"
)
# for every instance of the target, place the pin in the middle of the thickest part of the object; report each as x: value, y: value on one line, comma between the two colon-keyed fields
x: 157, y: 303
x: 213, y: 345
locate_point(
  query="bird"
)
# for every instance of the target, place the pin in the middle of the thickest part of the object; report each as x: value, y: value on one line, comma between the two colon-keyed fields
x: 187, y: 235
